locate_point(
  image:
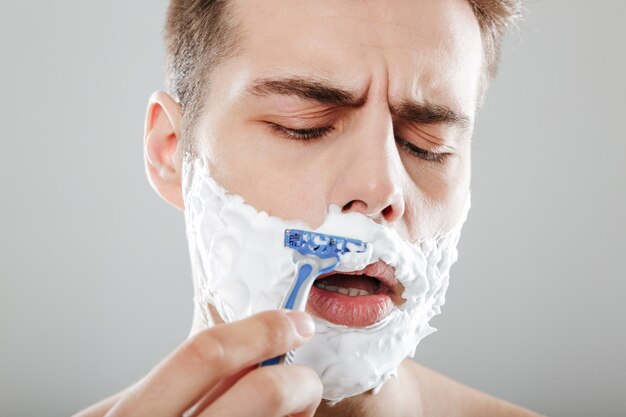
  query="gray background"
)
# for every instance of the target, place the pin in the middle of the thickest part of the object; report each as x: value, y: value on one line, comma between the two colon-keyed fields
x: 95, y: 284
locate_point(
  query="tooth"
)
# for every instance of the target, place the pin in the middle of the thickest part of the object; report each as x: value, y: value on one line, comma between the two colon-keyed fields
x: 353, y: 292
x: 343, y: 291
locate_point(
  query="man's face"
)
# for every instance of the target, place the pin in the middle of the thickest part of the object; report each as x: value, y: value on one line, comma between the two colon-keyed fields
x: 368, y: 105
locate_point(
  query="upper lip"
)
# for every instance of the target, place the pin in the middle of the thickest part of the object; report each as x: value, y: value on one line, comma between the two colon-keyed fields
x: 379, y: 270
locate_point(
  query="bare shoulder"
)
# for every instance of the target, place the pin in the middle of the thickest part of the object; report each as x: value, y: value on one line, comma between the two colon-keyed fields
x: 443, y: 396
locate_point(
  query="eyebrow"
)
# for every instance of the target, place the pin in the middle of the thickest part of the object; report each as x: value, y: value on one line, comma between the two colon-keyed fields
x: 324, y: 92
x: 424, y: 113
x: 307, y: 89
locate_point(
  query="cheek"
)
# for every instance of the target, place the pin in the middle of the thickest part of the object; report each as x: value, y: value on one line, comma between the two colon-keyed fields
x: 434, y: 197
x: 438, y: 181
x: 271, y: 175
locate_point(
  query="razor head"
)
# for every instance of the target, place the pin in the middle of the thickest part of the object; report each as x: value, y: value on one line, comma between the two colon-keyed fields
x: 321, y: 245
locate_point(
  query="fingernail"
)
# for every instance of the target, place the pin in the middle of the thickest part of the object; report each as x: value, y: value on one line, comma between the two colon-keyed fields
x: 302, y: 322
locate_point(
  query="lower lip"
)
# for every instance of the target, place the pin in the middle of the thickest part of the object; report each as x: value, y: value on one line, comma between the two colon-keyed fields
x: 358, y: 311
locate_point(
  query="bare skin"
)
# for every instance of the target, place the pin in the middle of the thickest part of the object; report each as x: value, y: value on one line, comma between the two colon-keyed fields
x: 396, y: 147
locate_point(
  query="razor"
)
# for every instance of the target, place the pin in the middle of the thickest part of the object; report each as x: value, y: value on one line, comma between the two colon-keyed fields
x: 313, y: 254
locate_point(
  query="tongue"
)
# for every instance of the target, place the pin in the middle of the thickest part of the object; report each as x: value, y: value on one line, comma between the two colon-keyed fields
x: 360, y: 282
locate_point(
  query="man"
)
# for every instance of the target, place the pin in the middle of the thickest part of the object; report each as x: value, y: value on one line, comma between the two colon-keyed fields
x: 297, y: 106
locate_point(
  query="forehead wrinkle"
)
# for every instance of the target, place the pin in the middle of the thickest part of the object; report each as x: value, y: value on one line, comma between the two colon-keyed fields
x: 370, y: 20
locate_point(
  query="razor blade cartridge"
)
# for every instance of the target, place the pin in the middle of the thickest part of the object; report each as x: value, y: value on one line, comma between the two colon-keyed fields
x: 321, y: 245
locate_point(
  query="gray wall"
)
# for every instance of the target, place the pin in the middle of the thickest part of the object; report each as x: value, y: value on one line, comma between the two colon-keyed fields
x: 95, y: 285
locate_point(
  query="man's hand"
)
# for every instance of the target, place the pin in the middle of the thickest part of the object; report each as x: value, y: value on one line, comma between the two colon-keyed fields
x: 214, y: 372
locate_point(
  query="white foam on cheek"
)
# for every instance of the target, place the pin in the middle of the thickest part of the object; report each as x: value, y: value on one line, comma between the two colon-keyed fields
x: 241, y: 267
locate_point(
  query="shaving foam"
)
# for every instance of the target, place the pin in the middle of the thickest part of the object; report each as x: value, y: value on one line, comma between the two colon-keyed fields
x: 241, y: 267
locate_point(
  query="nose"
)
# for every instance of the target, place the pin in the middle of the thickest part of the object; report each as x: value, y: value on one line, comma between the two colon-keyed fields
x: 371, y: 182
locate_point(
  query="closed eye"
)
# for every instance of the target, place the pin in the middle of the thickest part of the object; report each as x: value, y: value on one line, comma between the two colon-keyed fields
x: 301, y: 134
x: 307, y: 135
x: 437, y: 157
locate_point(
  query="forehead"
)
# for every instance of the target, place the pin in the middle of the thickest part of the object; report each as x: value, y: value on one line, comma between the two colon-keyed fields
x: 424, y: 49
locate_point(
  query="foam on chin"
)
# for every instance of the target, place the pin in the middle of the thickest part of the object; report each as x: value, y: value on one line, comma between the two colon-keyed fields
x: 241, y: 267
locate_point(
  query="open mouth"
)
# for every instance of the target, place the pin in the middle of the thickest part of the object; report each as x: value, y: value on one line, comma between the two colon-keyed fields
x: 356, y: 299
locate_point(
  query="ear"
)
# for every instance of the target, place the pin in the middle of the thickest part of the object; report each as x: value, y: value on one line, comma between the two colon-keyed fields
x: 163, y: 148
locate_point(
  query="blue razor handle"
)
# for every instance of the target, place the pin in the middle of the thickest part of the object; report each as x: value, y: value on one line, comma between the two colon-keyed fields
x: 315, y: 254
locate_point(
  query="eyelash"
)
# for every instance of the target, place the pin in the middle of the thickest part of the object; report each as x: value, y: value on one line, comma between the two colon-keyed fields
x: 436, y: 157
x: 304, y: 135
x: 307, y: 135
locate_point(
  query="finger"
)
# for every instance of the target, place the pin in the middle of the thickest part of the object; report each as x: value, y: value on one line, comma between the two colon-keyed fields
x: 217, y: 391
x: 101, y: 407
x: 197, y: 365
x: 270, y: 391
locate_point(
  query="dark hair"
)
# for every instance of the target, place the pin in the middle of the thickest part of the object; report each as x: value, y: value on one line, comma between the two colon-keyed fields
x: 200, y: 33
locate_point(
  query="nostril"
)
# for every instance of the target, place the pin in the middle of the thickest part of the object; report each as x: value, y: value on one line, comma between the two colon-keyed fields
x: 358, y: 206
x: 387, y: 211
